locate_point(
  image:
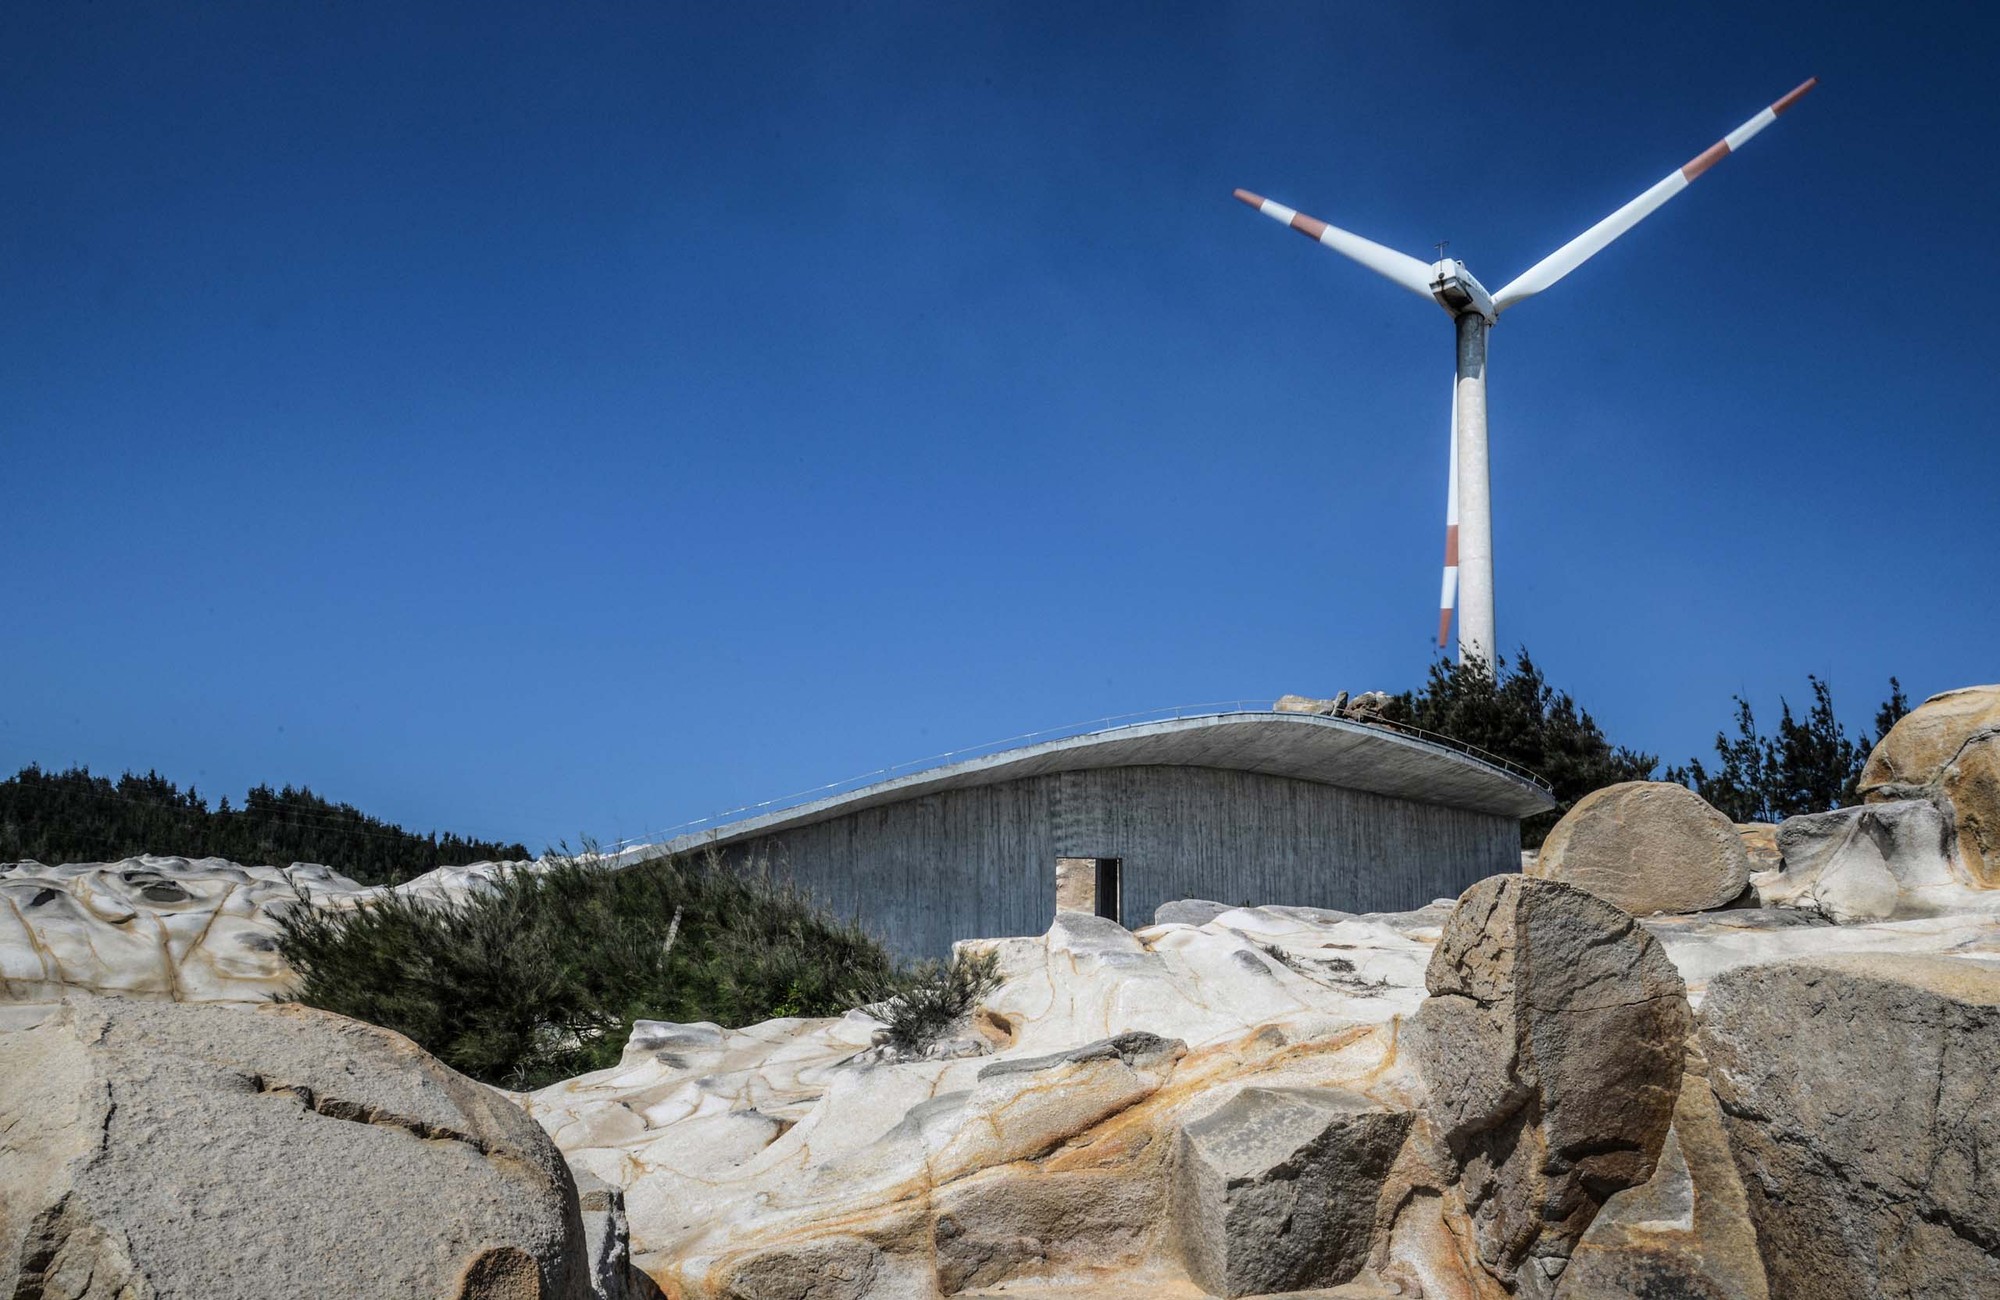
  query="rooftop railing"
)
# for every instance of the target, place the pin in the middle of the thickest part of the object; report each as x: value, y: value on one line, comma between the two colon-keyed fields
x: 847, y: 785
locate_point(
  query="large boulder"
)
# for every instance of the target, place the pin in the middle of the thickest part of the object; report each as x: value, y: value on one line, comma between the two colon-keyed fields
x: 1857, y: 1092
x: 1551, y: 1048
x: 1276, y: 1189
x: 1950, y: 746
x: 155, y: 1149
x: 1647, y: 846
x: 1685, y: 1233
x: 1867, y: 862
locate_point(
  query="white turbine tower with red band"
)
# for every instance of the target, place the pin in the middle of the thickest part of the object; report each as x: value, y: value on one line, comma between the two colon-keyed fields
x: 1468, y: 546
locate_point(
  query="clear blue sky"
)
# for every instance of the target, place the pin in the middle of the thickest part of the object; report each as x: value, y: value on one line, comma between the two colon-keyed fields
x: 572, y: 420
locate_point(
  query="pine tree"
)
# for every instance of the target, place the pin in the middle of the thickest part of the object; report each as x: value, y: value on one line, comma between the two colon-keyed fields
x: 1517, y: 715
x: 74, y: 816
x: 1805, y: 767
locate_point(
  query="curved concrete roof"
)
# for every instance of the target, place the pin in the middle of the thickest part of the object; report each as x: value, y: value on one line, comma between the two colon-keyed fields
x: 1331, y: 751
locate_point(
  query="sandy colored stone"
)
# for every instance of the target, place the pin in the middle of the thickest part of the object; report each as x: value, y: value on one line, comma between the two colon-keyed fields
x: 1925, y: 740
x: 155, y: 1149
x: 736, y: 1144
x: 1551, y: 1049
x: 174, y: 929
x: 1648, y: 847
x: 1683, y: 1233
x: 1021, y: 1223
x: 1760, y: 841
x: 1857, y: 1093
x: 1276, y: 1189
x: 1868, y: 862
x: 1949, y: 745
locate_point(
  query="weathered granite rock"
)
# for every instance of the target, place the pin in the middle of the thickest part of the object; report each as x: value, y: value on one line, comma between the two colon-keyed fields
x: 770, y: 1140
x: 1948, y: 746
x: 1857, y: 1092
x: 1366, y: 707
x: 173, y: 929
x: 826, y: 1268
x: 1188, y: 911
x: 1647, y: 846
x: 607, y: 1245
x: 1685, y: 1233
x: 166, y: 928
x: 1868, y: 862
x: 153, y: 1149
x: 1551, y: 1047
x: 1017, y: 1225
x: 1276, y: 1189
x: 1760, y: 841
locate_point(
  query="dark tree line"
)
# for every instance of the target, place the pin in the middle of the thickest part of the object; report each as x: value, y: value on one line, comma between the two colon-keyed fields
x: 75, y: 816
x: 1517, y: 715
x: 1807, y: 765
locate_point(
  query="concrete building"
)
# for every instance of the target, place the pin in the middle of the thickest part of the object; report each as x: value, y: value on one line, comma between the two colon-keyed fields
x: 1253, y: 807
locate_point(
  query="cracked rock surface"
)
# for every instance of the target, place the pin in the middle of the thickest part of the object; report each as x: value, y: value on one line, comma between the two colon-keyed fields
x: 1647, y: 846
x: 1857, y: 1092
x: 1551, y: 1047
x: 1948, y: 747
x: 159, y: 1149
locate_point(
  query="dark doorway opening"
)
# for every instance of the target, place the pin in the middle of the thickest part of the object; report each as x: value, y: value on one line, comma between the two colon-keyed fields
x: 1110, y: 888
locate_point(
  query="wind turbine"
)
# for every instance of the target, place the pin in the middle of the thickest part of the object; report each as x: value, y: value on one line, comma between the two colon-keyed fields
x: 1468, y: 547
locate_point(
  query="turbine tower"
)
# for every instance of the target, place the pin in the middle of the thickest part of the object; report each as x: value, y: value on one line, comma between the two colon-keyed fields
x: 1468, y: 548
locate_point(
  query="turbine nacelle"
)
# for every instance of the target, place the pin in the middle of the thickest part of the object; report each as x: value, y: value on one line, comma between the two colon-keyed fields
x: 1458, y: 291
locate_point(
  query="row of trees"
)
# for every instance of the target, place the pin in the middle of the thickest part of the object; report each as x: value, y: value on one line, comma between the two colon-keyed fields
x: 76, y: 816
x: 1806, y: 765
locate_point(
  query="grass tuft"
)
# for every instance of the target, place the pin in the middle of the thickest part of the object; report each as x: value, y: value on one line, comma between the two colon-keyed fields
x: 923, y: 1004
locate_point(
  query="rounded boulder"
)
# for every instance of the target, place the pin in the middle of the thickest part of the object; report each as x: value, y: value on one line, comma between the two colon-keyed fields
x: 1949, y: 745
x: 1647, y: 847
x: 241, y: 1153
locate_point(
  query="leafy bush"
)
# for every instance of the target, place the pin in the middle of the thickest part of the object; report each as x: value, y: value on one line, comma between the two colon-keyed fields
x: 1516, y: 714
x: 923, y: 1004
x: 74, y: 816
x: 541, y: 978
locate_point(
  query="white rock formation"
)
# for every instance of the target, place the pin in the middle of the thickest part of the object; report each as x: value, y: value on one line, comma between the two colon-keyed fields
x: 752, y: 1158
x: 173, y: 929
x: 1052, y: 1146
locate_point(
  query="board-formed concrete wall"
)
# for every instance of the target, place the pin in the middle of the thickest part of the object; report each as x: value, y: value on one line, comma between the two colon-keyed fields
x: 979, y: 861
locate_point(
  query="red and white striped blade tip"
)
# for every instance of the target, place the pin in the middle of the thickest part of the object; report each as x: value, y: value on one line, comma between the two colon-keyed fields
x: 1798, y: 93
x: 1257, y: 200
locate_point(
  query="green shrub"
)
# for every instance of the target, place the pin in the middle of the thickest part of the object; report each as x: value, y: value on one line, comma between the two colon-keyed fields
x: 541, y: 978
x: 923, y: 1004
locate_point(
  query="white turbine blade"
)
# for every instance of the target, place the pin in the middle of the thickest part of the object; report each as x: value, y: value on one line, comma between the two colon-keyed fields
x: 1449, y: 599
x: 1387, y: 262
x: 1593, y: 241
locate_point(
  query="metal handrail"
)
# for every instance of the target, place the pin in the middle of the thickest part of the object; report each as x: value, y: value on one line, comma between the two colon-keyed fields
x: 782, y: 802
x: 1486, y: 756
